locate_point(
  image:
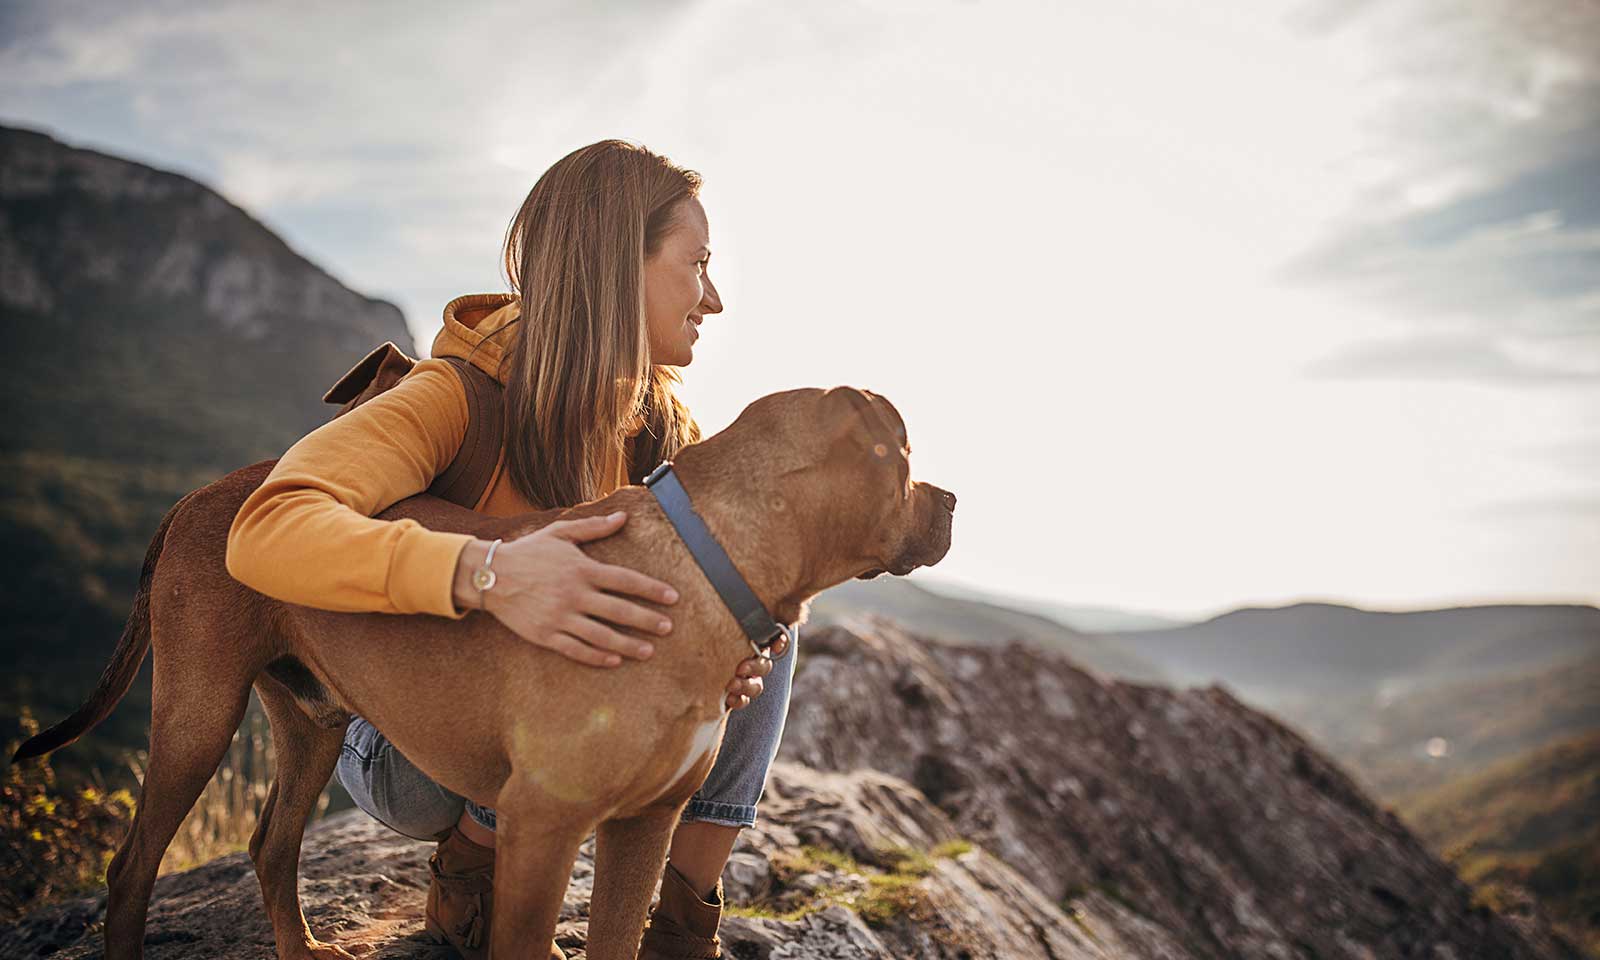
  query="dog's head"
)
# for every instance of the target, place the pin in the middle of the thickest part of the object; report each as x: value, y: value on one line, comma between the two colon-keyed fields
x: 907, y: 521
x: 840, y: 459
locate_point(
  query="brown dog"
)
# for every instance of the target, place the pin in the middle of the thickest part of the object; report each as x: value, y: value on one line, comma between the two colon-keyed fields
x: 806, y: 489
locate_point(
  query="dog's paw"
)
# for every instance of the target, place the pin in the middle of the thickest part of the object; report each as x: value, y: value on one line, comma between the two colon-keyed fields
x: 317, y: 950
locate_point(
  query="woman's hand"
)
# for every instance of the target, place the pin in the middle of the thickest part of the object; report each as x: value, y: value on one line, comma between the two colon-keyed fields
x: 550, y: 593
x: 747, y: 684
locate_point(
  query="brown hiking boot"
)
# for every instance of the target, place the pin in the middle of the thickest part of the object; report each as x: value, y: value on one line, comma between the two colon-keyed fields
x: 682, y: 926
x: 461, y: 897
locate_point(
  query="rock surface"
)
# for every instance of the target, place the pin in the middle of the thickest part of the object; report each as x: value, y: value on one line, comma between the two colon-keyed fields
x: 955, y: 803
x: 363, y: 887
x: 1210, y: 820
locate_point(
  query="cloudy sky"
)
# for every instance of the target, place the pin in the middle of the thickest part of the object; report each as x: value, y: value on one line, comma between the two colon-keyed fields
x: 1193, y: 305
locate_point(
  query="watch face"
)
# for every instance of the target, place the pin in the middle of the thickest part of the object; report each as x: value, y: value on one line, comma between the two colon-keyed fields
x: 482, y: 578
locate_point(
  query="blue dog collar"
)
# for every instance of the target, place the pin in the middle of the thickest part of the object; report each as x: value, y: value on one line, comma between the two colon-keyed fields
x: 759, y: 626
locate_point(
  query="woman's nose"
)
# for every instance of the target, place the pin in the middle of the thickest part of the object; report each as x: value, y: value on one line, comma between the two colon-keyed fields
x: 711, y: 302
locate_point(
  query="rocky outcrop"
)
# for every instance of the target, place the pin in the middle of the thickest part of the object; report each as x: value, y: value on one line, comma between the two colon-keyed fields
x: 1208, y: 819
x: 839, y: 867
x: 953, y: 802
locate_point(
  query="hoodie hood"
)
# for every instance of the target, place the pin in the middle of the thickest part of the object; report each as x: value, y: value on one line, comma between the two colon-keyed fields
x: 470, y: 325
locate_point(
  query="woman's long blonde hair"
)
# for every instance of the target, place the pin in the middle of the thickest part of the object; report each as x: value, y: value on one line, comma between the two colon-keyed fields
x: 579, y: 370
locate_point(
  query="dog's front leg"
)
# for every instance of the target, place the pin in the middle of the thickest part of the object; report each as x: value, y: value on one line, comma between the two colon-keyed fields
x: 628, y: 859
x: 536, y: 844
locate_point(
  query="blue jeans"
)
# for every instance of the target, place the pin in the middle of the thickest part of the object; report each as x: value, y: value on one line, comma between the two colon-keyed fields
x: 393, y: 791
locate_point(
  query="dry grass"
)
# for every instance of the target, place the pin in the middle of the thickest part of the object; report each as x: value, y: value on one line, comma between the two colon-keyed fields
x: 56, y: 841
x: 229, y: 808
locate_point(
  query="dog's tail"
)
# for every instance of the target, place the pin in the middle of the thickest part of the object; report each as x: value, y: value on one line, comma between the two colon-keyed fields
x: 124, y: 666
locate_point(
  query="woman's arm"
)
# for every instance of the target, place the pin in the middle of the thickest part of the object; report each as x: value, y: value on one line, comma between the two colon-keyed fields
x: 307, y: 534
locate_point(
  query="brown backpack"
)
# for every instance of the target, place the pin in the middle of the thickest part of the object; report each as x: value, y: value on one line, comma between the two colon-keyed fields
x: 468, y: 475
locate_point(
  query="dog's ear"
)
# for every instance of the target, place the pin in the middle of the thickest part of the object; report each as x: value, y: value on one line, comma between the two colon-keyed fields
x: 865, y: 422
x: 847, y: 412
x: 865, y: 408
x: 850, y: 402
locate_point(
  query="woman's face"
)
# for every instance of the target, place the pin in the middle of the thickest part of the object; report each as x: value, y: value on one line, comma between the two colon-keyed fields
x: 678, y: 291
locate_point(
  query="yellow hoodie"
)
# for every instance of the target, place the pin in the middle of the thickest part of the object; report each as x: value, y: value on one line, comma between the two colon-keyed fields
x: 307, y: 534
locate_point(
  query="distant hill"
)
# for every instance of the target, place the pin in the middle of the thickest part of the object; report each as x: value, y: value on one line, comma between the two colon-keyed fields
x: 1308, y: 651
x: 1468, y: 725
x: 1083, y: 619
x: 1531, y: 821
x: 157, y: 337
x: 1537, y: 800
x: 1500, y: 775
x: 972, y: 622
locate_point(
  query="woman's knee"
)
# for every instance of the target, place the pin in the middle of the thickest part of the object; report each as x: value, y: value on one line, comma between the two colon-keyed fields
x: 391, y: 789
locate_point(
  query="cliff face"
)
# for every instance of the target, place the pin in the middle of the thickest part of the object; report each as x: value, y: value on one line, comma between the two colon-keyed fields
x: 150, y: 320
x: 156, y: 337
x: 950, y: 802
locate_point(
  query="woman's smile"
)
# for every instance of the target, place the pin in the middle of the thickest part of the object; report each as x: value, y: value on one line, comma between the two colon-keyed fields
x: 678, y: 291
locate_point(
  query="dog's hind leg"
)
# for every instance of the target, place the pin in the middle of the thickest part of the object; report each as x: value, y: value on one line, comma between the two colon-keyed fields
x: 192, y: 720
x: 628, y: 859
x: 305, y: 754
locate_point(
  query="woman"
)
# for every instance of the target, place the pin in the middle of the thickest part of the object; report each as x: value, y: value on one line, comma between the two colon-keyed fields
x: 609, y: 260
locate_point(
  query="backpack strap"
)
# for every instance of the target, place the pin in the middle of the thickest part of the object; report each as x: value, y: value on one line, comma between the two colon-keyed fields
x: 464, y: 481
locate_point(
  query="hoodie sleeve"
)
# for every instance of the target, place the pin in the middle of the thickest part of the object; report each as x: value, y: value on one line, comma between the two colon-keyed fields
x: 307, y: 534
